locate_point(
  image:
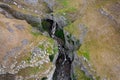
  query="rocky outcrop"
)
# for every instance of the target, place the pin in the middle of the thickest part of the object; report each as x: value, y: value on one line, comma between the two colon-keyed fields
x: 33, y: 20
x: 24, y: 54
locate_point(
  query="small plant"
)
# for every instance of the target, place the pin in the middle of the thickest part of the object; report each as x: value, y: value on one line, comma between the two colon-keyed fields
x: 86, y: 55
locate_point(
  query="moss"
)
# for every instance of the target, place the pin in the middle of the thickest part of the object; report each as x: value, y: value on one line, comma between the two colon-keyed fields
x: 28, y: 71
x: 36, y: 34
x: 55, y: 49
x: 84, y: 53
x: 41, y: 47
x: 80, y: 75
x: 50, y: 50
x: 49, y: 46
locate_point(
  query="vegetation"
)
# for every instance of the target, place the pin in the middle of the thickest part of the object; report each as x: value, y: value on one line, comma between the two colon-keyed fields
x: 64, y: 3
x: 84, y: 53
x: 28, y: 71
x: 80, y: 75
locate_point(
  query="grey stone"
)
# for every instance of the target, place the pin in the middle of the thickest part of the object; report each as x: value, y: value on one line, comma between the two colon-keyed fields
x: 25, y: 42
x: 20, y: 27
x: 84, y: 31
x: 31, y: 1
x: 10, y: 29
x: 50, y: 4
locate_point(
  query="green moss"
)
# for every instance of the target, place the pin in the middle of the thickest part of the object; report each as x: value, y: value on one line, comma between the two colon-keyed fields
x: 28, y: 71
x: 85, y: 53
x: 36, y: 34
x: 51, y: 47
x: 80, y: 75
x: 55, y: 49
x: 50, y: 50
x: 41, y: 46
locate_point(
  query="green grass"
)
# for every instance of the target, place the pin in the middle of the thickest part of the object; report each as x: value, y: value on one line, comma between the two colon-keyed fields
x: 85, y: 53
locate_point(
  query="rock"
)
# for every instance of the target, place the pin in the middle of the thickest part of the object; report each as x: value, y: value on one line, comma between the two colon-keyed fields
x: 50, y: 4
x: 25, y: 54
x: 60, y: 20
x: 71, y: 43
x: 34, y: 21
x: 31, y: 1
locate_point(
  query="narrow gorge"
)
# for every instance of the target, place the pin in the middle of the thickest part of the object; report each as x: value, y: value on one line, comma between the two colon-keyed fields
x: 59, y: 40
